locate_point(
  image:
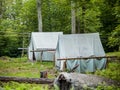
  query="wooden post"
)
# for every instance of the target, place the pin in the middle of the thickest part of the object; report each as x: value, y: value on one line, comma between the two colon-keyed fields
x: 64, y: 65
x: 41, y: 55
x: 54, y: 60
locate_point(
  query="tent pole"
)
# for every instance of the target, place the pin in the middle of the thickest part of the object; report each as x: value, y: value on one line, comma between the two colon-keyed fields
x: 54, y: 60
x: 41, y: 55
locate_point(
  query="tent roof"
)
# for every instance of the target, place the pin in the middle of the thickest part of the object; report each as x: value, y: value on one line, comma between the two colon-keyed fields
x: 77, y: 45
x: 45, y: 40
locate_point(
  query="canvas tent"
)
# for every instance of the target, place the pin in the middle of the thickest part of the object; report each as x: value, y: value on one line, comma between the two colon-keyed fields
x: 80, y: 45
x: 43, y: 45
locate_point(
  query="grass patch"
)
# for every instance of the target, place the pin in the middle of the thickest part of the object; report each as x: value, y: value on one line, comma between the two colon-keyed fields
x: 24, y: 68
x: 23, y: 86
x: 21, y: 67
x: 114, y: 54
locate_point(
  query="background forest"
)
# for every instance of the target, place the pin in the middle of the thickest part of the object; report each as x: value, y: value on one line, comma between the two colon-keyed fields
x: 18, y: 18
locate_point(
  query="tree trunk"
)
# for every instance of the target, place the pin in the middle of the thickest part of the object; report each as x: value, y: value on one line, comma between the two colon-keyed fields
x: 2, y: 8
x: 73, y: 19
x: 39, y: 15
x: 23, y: 42
x: 78, y: 25
x: 26, y: 80
x: 49, y: 17
x: 119, y: 48
x: 83, y: 19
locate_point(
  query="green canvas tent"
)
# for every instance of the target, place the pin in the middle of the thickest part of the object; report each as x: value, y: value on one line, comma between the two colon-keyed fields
x: 43, y: 45
x: 77, y: 46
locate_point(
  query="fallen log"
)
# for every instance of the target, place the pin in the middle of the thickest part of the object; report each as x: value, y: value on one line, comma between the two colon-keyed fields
x: 26, y: 80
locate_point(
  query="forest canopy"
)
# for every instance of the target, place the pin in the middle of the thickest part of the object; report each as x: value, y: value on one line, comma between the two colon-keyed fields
x: 18, y: 18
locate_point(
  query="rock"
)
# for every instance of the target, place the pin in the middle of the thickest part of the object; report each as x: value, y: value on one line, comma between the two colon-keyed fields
x: 66, y: 81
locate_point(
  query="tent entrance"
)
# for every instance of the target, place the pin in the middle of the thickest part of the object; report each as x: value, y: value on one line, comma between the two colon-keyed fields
x: 41, y: 53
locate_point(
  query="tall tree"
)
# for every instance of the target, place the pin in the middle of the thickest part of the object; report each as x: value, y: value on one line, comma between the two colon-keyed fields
x: 39, y: 6
x: 28, y: 17
x: 73, y: 18
x: 86, y: 16
x: 9, y: 28
x: 1, y: 8
x: 114, y: 38
x: 57, y: 16
x: 109, y: 22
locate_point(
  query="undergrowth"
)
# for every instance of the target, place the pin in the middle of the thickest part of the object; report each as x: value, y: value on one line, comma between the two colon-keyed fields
x: 112, y: 71
x: 23, y: 86
x: 21, y: 67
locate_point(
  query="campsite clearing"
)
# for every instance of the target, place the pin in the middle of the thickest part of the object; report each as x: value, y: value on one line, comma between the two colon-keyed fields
x: 21, y: 67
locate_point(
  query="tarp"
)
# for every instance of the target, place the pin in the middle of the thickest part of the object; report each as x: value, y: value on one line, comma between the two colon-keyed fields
x: 80, y: 45
x: 42, y: 41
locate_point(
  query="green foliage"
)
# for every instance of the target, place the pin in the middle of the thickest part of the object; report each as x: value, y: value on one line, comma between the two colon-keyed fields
x: 114, y: 39
x: 56, y: 87
x: 110, y: 20
x: 20, y: 67
x: 28, y: 16
x: 114, y: 54
x: 102, y: 87
x: 112, y: 71
x: 23, y: 86
x: 87, y: 15
x: 20, y: 16
x: 56, y: 16
x: 9, y: 28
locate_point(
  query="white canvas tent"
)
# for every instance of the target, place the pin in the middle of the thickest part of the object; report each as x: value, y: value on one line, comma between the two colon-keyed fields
x: 80, y: 45
x: 43, y: 45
